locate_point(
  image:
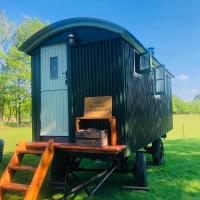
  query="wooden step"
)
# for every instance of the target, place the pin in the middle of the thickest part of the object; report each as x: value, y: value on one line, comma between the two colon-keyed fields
x: 22, y: 168
x: 36, y: 145
x: 31, y: 191
x: 15, y: 187
x: 35, y: 152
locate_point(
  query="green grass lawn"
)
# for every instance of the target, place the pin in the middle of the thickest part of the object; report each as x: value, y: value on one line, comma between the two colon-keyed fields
x: 178, y: 178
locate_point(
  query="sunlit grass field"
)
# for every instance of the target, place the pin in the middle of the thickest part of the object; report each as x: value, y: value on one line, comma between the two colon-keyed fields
x: 185, y: 127
x: 177, y: 179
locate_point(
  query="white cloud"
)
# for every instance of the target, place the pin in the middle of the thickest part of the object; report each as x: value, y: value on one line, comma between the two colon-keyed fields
x: 24, y: 16
x: 190, y: 91
x: 183, y: 77
x: 194, y: 91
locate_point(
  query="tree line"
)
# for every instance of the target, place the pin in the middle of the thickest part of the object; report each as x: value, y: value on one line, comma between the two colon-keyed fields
x: 15, y: 70
x: 182, y: 107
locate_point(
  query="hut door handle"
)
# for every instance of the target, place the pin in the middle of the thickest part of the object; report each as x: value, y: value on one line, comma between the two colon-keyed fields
x: 66, y: 76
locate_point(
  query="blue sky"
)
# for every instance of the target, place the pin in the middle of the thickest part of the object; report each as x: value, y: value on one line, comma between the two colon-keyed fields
x: 171, y: 26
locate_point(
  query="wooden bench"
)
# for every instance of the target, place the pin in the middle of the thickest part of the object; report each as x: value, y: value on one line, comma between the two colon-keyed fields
x: 99, y: 108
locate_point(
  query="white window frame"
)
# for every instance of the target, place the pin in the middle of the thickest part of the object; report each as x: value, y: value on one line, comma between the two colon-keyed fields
x: 135, y: 73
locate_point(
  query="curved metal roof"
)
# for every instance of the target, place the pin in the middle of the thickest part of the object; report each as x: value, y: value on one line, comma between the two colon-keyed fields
x: 36, y: 39
x: 55, y: 28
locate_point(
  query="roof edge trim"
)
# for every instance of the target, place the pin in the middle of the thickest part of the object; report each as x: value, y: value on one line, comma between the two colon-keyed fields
x: 60, y: 26
x: 36, y: 39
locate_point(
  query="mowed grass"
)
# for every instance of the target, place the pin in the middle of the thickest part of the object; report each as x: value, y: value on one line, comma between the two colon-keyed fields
x: 185, y: 127
x: 178, y: 178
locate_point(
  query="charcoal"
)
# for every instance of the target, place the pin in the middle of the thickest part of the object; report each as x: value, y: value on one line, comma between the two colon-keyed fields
x: 92, y: 137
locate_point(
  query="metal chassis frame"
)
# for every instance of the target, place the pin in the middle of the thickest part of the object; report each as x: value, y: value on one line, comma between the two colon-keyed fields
x: 102, y: 175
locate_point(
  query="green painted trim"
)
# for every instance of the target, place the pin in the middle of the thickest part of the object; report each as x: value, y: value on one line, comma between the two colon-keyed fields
x: 70, y: 95
x: 63, y: 25
x: 144, y: 71
x: 33, y: 94
x: 36, y: 96
x: 39, y: 97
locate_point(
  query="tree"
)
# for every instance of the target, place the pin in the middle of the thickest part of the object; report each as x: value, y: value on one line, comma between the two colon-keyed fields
x: 7, y: 29
x: 15, y: 77
x: 3, y: 83
x: 19, y: 68
x: 181, y: 107
x: 197, y: 98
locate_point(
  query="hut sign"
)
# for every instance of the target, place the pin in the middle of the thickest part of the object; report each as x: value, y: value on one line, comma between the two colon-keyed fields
x: 99, y: 107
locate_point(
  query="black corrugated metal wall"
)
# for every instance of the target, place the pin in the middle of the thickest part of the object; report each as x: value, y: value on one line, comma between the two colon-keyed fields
x: 147, y: 117
x: 97, y: 71
x: 105, y: 68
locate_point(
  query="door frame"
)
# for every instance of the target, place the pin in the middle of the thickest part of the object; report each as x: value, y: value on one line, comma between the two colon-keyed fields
x: 36, y: 95
x: 71, y: 120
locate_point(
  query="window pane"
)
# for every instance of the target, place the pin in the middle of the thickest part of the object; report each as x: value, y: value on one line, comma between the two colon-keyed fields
x: 159, y: 86
x: 160, y: 80
x: 137, y: 62
x: 54, y: 67
x: 145, y: 61
x: 159, y: 73
x: 168, y: 84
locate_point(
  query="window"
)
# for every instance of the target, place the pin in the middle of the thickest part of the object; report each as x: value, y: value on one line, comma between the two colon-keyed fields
x: 161, y: 81
x: 137, y: 62
x: 158, y: 79
x: 143, y: 62
x: 168, y: 90
x: 168, y: 85
x: 54, y: 67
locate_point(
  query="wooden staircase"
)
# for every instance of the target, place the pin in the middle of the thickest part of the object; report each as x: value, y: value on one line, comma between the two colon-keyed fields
x: 31, y: 191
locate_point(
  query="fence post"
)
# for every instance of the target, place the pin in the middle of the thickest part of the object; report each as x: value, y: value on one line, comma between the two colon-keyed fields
x: 183, y: 131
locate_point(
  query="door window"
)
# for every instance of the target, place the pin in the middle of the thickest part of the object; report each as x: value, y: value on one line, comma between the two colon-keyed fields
x: 54, y: 67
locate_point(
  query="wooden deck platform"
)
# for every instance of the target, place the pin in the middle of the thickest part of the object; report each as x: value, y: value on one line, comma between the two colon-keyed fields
x: 72, y: 147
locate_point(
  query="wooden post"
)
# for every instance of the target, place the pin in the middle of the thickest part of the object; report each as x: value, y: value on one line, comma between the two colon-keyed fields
x: 2, y: 193
x: 113, y: 132
x: 77, y: 124
x: 183, y: 131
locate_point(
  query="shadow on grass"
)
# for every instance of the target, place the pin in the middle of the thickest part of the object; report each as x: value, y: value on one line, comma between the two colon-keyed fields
x: 178, y: 178
x: 15, y: 125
